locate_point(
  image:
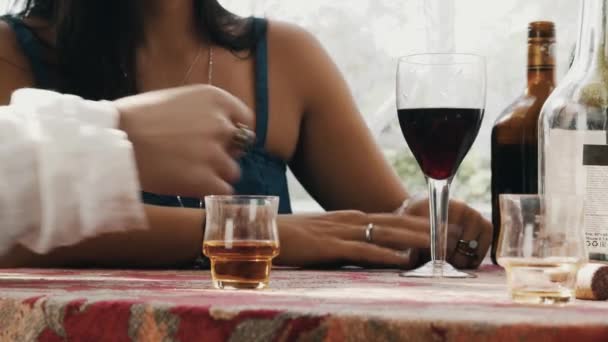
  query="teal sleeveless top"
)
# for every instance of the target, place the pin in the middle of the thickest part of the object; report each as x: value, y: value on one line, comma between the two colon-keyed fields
x: 261, y: 172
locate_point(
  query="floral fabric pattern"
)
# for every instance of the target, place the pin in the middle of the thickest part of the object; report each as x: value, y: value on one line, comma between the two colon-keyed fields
x: 346, y: 305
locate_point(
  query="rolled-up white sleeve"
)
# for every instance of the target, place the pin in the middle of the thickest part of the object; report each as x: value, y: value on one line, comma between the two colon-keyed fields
x: 48, y: 104
x: 19, y: 195
x: 79, y: 176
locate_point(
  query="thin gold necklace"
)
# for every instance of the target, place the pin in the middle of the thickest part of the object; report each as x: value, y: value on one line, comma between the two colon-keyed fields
x: 195, y: 61
x: 192, y: 64
x: 210, y: 81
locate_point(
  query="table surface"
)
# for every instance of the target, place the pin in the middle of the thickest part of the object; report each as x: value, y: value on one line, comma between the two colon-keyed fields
x: 345, y: 305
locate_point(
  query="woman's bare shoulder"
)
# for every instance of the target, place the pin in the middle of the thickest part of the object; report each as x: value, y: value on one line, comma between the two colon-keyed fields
x: 297, y: 53
x: 291, y: 38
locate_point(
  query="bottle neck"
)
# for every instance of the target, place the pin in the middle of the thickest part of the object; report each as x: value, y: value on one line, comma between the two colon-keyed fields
x: 541, y: 81
x: 541, y: 65
x: 592, y: 43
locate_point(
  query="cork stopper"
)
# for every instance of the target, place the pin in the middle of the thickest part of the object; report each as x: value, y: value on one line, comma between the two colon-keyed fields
x: 592, y: 282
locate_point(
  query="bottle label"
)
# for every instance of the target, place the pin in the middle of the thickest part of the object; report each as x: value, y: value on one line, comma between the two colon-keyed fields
x: 577, y: 163
x: 541, y: 54
x: 595, y: 160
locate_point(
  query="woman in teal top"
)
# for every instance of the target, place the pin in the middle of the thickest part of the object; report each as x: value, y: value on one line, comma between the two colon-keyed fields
x: 305, y: 118
x: 261, y: 172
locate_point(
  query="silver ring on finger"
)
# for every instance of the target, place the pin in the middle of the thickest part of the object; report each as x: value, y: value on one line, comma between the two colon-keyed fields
x: 467, y: 248
x: 368, y: 233
x: 243, y: 137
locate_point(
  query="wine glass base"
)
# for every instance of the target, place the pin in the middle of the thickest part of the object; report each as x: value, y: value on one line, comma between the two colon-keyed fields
x: 437, y: 269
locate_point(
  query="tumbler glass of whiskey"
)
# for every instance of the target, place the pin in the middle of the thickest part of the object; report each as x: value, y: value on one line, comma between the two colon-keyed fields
x: 541, y: 246
x: 241, y: 239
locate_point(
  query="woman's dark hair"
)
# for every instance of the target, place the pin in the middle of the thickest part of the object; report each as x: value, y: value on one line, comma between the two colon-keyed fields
x: 94, y: 50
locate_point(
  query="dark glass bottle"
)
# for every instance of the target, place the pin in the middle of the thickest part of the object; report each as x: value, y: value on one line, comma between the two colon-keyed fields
x: 515, y: 133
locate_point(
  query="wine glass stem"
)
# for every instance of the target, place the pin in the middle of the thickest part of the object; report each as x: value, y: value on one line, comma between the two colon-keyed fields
x: 439, y: 193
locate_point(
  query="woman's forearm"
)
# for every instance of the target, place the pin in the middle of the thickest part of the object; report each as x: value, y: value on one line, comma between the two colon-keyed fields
x: 174, y: 238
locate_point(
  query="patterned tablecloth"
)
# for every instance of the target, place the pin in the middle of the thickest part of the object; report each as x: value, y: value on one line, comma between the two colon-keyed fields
x: 93, y: 305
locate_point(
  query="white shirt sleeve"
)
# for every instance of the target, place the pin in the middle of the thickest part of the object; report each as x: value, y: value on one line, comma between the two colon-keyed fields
x: 49, y: 104
x: 81, y: 175
x: 19, y: 196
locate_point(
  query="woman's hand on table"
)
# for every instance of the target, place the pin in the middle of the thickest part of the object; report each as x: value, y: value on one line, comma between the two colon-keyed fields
x: 464, y: 223
x: 194, y: 151
x: 398, y: 241
x: 338, y: 239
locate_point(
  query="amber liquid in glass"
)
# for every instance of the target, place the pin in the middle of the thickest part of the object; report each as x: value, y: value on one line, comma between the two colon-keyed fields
x: 541, y: 281
x: 240, y: 264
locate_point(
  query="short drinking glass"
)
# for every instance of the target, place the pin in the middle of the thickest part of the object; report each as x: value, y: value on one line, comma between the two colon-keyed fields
x: 241, y: 239
x: 541, y: 246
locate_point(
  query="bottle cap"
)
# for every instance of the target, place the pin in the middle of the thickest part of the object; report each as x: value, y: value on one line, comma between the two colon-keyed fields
x: 541, y: 29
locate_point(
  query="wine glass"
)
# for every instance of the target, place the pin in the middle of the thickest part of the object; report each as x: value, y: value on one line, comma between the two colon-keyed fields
x: 440, y: 101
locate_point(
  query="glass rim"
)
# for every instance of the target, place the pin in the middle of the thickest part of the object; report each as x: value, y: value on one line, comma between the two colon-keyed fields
x: 228, y: 198
x: 410, y: 59
x: 539, y: 196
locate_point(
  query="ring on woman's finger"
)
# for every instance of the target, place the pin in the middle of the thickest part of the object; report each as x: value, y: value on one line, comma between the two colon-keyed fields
x: 467, y: 248
x: 243, y: 137
x: 368, y: 233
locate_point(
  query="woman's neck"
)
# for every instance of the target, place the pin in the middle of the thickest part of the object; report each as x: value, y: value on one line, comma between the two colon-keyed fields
x: 169, y: 26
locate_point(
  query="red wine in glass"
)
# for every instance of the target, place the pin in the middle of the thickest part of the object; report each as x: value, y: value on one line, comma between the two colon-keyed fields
x: 440, y: 101
x: 440, y: 138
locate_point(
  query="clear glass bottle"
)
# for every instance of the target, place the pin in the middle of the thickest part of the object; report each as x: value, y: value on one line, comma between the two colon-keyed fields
x: 573, y: 145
